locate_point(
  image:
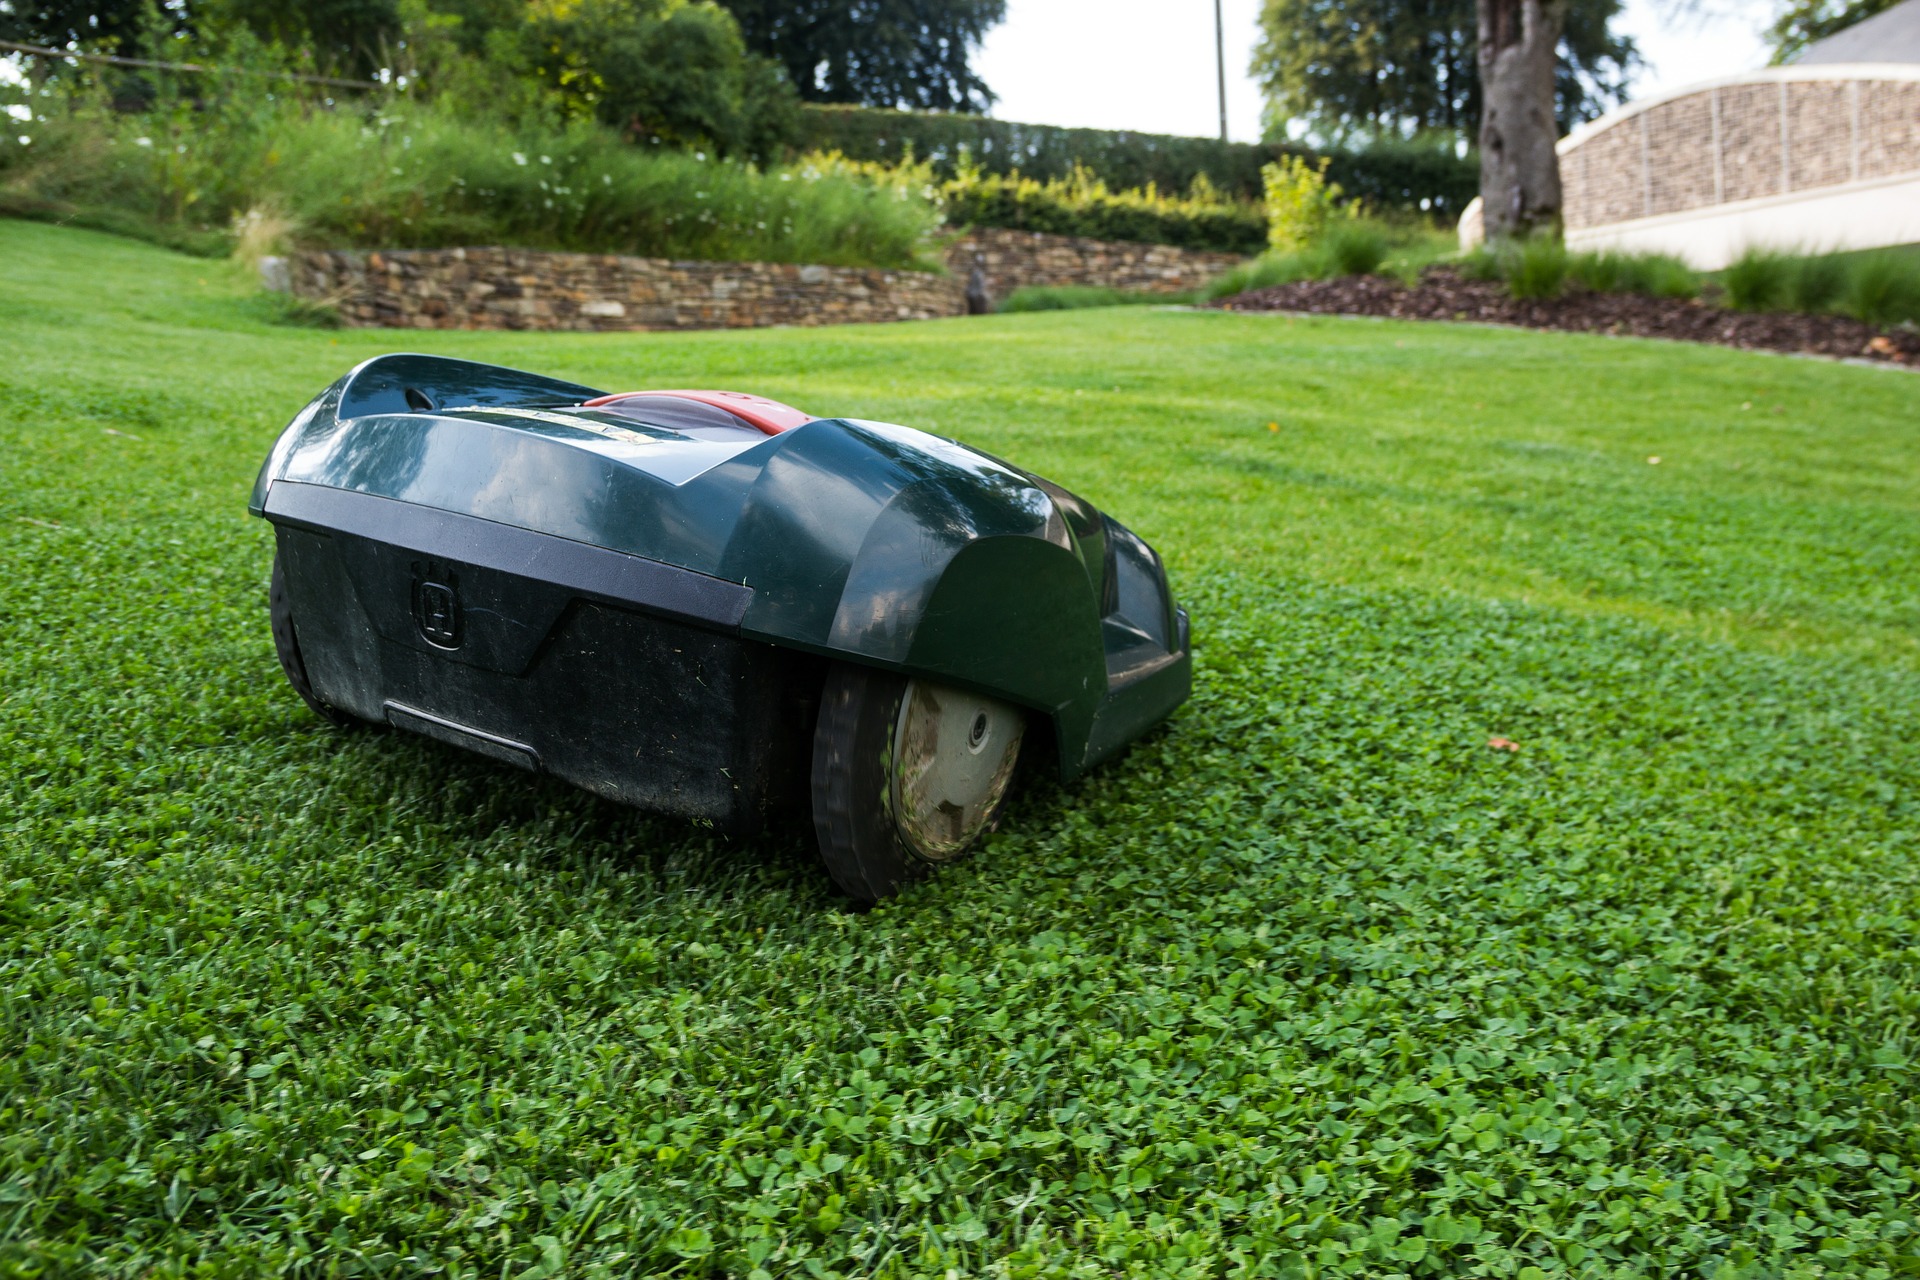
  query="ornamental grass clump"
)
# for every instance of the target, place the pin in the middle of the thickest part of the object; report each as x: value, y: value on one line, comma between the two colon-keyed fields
x: 1534, y: 269
x: 1655, y: 275
x: 1818, y: 283
x: 1883, y: 288
x: 1759, y: 280
x: 1351, y: 247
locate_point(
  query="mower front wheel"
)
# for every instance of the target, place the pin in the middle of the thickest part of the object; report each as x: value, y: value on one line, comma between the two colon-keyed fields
x: 907, y: 774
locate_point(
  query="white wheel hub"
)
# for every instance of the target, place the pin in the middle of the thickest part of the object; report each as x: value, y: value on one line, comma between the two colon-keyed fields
x: 953, y: 757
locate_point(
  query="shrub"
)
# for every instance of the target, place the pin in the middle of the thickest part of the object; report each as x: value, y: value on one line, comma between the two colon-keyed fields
x: 1298, y: 202
x: 1535, y: 268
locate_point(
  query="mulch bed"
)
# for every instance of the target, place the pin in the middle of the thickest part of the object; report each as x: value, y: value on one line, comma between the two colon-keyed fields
x: 1443, y: 294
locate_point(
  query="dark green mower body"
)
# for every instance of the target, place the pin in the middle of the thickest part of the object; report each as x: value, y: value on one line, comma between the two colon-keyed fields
x: 646, y: 594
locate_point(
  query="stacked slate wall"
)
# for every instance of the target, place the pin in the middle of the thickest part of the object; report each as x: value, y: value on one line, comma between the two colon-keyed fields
x: 494, y: 288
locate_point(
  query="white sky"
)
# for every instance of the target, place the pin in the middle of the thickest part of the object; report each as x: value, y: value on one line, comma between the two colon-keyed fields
x: 1149, y: 64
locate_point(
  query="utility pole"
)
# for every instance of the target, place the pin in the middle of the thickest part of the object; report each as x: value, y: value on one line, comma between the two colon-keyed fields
x: 1220, y: 63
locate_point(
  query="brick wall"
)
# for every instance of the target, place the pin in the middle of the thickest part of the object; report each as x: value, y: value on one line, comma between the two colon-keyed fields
x: 1769, y: 137
x: 495, y: 288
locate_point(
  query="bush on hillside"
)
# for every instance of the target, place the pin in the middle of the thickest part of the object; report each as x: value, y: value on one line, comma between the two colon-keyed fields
x: 411, y: 176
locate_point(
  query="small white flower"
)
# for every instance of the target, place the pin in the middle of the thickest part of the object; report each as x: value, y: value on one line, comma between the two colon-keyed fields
x: 143, y: 142
x: 518, y: 158
x: 545, y: 160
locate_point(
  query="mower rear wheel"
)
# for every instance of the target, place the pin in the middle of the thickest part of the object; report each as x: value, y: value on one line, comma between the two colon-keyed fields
x: 907, y: 774
x: 287, y: 644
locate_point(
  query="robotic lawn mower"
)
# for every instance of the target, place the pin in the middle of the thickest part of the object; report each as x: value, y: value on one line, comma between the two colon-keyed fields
x: 709, y: 604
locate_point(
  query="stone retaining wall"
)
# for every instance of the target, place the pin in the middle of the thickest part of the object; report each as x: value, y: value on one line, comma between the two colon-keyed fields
x: 1785, y: 131
x: 493, y: 288
x: 528, y: 289
x: 1017, y: 259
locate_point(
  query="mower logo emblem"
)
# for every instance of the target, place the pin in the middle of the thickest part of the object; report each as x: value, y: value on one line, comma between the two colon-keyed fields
x: 436, y: 606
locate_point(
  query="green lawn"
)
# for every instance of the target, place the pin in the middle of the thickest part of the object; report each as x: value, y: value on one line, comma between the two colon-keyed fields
x: 1312, y: 982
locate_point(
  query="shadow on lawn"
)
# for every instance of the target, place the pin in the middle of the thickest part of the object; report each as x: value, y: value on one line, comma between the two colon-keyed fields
x: 465, y: 803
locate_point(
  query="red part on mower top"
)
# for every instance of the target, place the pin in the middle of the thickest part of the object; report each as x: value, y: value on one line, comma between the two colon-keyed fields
x: 759, y: 412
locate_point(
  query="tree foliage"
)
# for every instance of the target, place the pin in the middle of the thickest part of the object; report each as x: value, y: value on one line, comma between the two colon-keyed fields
x: 877, y: 53
x: 1355, y: 69
x: 60, y: 24
x: 664, y: 71
x: 342, y: 37
x: 1803, y: 22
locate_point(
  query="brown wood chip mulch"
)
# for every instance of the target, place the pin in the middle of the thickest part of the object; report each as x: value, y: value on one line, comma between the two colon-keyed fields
x: 1443, y: 295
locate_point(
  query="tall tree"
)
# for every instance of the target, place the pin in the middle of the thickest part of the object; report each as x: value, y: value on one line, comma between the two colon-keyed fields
x: 1519, y: 170
x: 1349, y: 70
x: 1803, y: 22
x: 879, y: 53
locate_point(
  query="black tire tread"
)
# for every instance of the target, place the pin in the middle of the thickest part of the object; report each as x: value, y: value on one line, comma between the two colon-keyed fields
x: 851, y: 816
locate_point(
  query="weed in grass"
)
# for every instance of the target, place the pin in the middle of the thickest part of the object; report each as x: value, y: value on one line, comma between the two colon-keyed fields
x: 1314, y: 981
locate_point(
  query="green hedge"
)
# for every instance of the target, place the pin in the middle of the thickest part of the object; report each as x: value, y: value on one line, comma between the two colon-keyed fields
x: 1397, y: 175
x: 1072, y: 208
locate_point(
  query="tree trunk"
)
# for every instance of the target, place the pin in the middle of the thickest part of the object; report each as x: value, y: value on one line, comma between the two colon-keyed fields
x: 1519, y: 172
